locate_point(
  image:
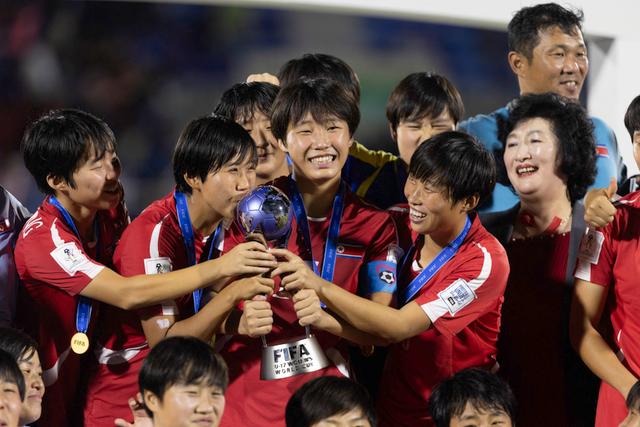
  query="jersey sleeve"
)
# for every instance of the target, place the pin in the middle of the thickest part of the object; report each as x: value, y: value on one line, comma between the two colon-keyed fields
x: 596, y: 255
x: 54, y: 255
x: 472, y: 289
x: 148, y: 249
x: 380, y: 269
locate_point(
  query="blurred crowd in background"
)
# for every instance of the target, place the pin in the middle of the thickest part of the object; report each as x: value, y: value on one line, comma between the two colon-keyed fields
x: 147, y: 68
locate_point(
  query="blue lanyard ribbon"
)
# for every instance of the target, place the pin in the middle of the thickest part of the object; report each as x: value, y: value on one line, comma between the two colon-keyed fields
x: 434, y: 266
x: 184, y: 220
x: 85, y: 305
x: 329, y: 259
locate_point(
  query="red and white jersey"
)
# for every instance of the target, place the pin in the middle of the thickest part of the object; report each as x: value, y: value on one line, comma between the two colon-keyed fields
x: 463, y: 302
x: 152, y: 244
x: 609, y: 257
x: 366, y: 242
x: 54, y: 267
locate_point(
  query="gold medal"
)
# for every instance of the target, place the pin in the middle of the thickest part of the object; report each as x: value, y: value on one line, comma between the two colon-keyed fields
x: 79, y: 343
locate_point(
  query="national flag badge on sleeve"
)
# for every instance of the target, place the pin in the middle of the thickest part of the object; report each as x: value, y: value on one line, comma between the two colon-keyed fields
x: 602, y: 151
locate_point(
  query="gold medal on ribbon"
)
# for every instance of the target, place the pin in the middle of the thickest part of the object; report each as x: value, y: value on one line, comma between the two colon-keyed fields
x: 79, y: 343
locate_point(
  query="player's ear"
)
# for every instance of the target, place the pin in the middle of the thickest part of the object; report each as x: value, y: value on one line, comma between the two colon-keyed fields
x: 193, y: 181
x: 470, y: 203
x: 151, y: 401
x: 394, y: 133
x: 283, y: 146
x: 58, y: 183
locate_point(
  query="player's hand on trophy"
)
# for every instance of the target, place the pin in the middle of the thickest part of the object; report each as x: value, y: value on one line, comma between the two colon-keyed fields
x: 247, y: 258
x: 598, y: 207
x: 308, y: 308
x: 294, y: 272
x: 248, y: 287
x: 257, y: 317
x: 263, y: 77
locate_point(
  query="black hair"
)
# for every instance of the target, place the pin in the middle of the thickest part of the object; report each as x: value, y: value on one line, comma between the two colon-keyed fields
x: 18, y: 344
x: 206, y: 145
x: 320, y: 66
x: 181, y: 361
x: 325, y: 397
x: 523, y: 31
x: 456, y: 162
x: 240, y: 102
x: 322, y: 98
x: 476, y: 386
x: 11, y: 373
x: 633, y: 398
x: 423, y: 94
x: 59, y: 142
x: 632, y: 116
x: 573, y: 129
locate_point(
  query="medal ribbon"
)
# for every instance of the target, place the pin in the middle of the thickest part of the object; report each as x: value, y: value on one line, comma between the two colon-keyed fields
x: 329, y: 259
x: 434, y: 266
x: 85, y: 305
x: 184, y: 220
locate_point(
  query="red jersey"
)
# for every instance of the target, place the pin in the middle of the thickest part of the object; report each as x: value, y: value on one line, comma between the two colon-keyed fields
x: 365, y: 263
x: 54, y: 266
x: 463, y: 301
x: 152, y: 244
x: 537, y: 285
x: 609, y: 257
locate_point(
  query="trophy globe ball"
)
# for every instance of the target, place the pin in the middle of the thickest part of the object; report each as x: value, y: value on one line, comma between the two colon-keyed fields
x: 265, y: 210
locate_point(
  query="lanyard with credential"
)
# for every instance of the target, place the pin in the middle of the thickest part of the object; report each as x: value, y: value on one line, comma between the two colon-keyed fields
x: 329, y: 260
x: 189, y: 242
x: 434, y: 266
x: 80, y: 341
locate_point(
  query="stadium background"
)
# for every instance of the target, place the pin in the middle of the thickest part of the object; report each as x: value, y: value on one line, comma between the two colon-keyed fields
x: 147, y: 68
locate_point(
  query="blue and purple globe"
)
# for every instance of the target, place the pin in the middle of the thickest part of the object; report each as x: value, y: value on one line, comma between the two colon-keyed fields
x: 266, y: 210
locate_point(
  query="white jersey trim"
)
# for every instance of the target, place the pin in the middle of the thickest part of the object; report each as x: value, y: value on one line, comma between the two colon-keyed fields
x: 169, y: 307
x: 50, y: 376
x: 438, y: 308
x: 71, y: 258
x: 338, y: 360
x: 583, y: 271
x: 106, y: 356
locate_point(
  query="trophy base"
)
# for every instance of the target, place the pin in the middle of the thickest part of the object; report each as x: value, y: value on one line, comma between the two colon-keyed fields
x: 293, y: 358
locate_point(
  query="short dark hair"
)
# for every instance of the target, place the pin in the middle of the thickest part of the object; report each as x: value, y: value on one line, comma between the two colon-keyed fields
x: 18, y: 344
x: 322, y: 98
x: 206, y: 145
x: 423, y: 94
x: 325, y: 397
x: 242, y: 100
x: 476, y: 386
x: 632, y: 116
x: 11, y: 373
x: 181, y: 361
x: 633, y: 398
x: 320, y: 66
x: 456, y: 162
x: 523, y: 31
x: 573, y: 130
x: 60, y: 141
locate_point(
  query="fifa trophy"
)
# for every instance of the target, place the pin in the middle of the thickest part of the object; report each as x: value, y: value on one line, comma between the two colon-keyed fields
x: 265, y: 215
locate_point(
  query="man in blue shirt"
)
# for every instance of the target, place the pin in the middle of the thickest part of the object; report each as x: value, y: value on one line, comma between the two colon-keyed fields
x: 547, y: 53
